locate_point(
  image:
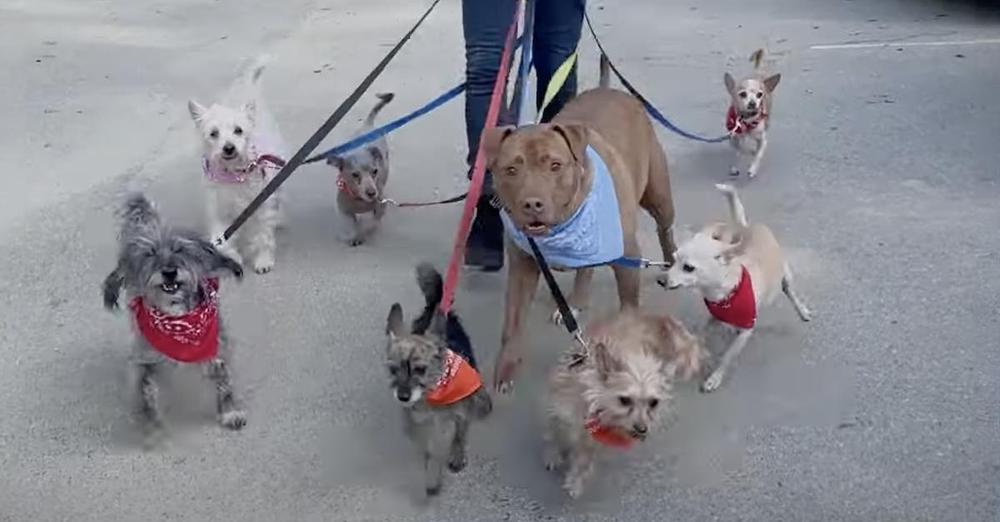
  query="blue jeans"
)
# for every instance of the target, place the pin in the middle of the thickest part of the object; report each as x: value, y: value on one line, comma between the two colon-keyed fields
x: 485, y: 24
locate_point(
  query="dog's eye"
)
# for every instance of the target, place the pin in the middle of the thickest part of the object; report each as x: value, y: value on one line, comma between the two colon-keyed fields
x: 653, y: 403
x: 556, y: 166
x: 511, y: 171
x: 214, y: 134
x: 419, y: 370
x: 238, y: 131
x: 743, y: 94
x: 356, y: 175
x: 760, y: 94
x: 374, y: 172
x: 625, y: 401
x: 393, y: 370
x: 687, y: 268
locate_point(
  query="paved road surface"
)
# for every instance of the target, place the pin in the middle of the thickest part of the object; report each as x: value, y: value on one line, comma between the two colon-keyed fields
x: 882, y: 182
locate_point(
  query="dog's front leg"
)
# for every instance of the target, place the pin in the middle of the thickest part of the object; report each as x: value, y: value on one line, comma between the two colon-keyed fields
x: 554, y: 453
x: 759, y: 155
x: 230, y: 415
x: 521, y: 283
x: 218, y: 222
x: 580, y: 297
x: 714, y: 380
x: 149, y: 412
x: 581, y: 466
x: 263, y: 243
x: 456, y: 458
x: 440, y: 437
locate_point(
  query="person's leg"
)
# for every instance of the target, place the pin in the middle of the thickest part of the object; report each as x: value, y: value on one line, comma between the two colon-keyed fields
x: 557, y: 32
x: 485, y: 24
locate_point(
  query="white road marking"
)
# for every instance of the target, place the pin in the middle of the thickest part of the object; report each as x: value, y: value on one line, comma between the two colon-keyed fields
x: 871, y: 45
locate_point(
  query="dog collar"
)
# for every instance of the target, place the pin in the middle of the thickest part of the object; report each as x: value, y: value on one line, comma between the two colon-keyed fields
x: 607, y: 435
x: 261, y: 162
x: 345, y: 188
x: 737, y: 125
x: 458, y: 381
x: 190, y: 338
x: 739, y: 308
x: 591, y: 236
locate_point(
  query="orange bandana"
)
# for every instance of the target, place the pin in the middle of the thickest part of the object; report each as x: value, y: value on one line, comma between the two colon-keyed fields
x: 458, y: 381
x: 607, y: 435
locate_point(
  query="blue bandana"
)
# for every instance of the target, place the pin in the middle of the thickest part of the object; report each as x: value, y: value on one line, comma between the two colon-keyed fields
x: 591, y: 236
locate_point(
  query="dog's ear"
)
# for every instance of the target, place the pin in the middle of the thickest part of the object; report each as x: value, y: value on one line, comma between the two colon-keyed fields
x: 377, y: 157
x: 196, y: 109
x: 730, y: 83
x: 337, y: 162
x: 576, y: 138
x: 250, y: 109
x: 603, y: 360
x: 113, y: 285
x: 771, y: 82
x: 214, y: 260
x: 727, y: 255
x: 394, y: 324
x: 439, y: 325
x: 491, y: 139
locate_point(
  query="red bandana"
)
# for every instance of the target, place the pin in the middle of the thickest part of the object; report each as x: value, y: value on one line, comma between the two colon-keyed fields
x: 192, y: 337
x: 344, y: 187
x: 458, y: 381
x: 612, y: 437
x: 736, y: 125
x: 740, y: 308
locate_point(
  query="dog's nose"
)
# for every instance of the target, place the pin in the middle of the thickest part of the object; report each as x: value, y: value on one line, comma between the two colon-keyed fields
x: 751, y: 104
x: 403, y: 395
x: 371, y: 193
x: 640, y: 428
x: 662, y: 281
x: 169, y: 274
x: 229, y: 149
x: 533, y: 205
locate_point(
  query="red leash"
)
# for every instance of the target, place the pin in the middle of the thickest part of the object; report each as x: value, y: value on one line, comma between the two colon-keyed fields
x: 479, y: 168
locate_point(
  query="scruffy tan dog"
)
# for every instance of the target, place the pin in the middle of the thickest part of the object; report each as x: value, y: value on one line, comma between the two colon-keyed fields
x: 576, y: 187
x: 615, y: 394
x: 749, y: 115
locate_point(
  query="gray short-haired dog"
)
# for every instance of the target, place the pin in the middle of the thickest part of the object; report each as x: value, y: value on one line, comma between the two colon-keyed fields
x: 171, y: 281
x: 433, y: 374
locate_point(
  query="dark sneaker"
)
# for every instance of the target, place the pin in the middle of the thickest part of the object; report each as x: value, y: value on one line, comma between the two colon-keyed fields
x: 484, y: 249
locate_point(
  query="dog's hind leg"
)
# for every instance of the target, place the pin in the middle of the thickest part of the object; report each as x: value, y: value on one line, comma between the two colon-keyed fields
x: 787, y: 287
x: 715, y: 379
x: 658, y: 201
x: 456, y: 457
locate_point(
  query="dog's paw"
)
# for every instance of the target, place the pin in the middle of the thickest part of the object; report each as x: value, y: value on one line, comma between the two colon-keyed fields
x: 456, y: 462
x: 553, y: 459
x: 557, y: 316
x: 263, y: 264
x: 233, y: 419
x: 751, y: 173
x: 573, y: 487
x: 733, y: 171
x: 805, y: 314
x: 356, y: 241
x: 713, y: 382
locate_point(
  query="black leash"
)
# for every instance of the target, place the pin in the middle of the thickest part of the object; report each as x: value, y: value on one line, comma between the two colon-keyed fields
x: 303, y: 153
x: 569, y: 320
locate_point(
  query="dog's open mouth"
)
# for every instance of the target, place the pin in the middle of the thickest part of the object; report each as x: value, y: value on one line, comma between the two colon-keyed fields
x: 536, y: 228
x: 170, y: 288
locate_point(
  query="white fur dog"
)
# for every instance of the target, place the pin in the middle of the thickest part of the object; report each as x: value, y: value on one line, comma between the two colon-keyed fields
x: 243, y: 150
x: 739, y: 268
x: 749, y: 115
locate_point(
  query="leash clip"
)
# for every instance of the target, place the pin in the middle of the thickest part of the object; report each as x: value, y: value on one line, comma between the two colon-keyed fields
x: 389, y: 201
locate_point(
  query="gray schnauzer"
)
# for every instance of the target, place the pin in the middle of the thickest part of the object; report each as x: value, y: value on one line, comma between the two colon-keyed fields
x: 171, y: 280
x: 433, y: 373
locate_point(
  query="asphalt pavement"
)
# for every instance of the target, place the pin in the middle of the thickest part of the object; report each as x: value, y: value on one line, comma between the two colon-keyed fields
x: 881, y: 182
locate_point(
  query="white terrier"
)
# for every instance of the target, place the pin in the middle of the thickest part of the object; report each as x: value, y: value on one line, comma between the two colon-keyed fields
x: 243, y: 150
x: 739, y: 269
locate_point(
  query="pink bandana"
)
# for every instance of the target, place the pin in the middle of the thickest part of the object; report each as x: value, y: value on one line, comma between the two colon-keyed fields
x: 192, y: 337
x: 260, y: 163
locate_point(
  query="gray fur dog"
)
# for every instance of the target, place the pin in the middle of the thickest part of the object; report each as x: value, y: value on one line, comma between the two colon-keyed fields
x: 433, y: 374
x: 170, y: 277
x: 361, y: 179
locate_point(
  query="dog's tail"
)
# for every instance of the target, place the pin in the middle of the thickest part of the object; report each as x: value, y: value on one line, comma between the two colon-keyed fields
x: 432, y: 286
x: 735, y: 205
x: 605, y: 72
x: 138, y: 215
x: 757, y: 57
x: 255, y: 68
x: 383, y: 99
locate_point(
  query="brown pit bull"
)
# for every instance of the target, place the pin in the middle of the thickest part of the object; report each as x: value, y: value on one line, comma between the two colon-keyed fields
x: 543, y: 174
